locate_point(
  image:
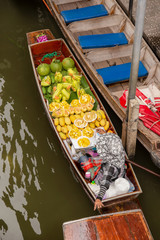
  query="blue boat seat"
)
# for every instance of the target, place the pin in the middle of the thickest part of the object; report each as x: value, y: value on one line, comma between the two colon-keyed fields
x: 84, y: 13
x: 120, y: 72
x: 102, y: 40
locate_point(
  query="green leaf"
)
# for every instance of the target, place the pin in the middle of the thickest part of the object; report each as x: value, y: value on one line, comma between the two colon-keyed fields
x: 84, y: 82
x: 73, y: 95
x: 48, y: 97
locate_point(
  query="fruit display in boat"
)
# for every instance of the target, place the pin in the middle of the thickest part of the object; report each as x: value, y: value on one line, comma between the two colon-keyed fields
x: 59, y: 128
x: 83, y: 142
x: 102, y: 113
x: 46, y: 81
x: 75, y: 103
x: 80, y: 123
x: 90, y: 116
x: 77, y: 110
x: 64, y: 129
x: 92, y: 125
x: 62, y: 135
x: 75, y: 133
x: 43, y: 69
x: 103, y: 122
x: 68, y: 63
x: 56, y: 121
x: 56, y: 65
x: 85, y: 98
x: 57, y: 113
x: 89, y: 106
x: 62, y: 121
x: 109, y: 131
x: 53, y: 106
x: 67, y: 120
x: 106, y: 125
x: 65, y: 113
x: 88, y: 132
x: 71, y: 110
x: 64, y: 105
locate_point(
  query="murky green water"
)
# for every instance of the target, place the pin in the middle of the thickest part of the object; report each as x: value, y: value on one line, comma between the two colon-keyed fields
x: 38, y: 191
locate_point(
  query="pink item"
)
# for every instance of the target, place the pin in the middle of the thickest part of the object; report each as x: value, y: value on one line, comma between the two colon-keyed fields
x: 87, y: 175
x: 42, y: 38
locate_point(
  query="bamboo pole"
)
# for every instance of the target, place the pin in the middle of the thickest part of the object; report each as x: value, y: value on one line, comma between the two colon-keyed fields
x: 146, y: 169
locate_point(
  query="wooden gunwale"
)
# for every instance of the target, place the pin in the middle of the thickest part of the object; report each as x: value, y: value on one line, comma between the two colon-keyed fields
x: 42, y: 48
x: 145, y: 136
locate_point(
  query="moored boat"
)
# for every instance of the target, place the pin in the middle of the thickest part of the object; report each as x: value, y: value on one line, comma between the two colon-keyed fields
x: 102, y: 42
x: 120, y: 225
x: 44, y: 52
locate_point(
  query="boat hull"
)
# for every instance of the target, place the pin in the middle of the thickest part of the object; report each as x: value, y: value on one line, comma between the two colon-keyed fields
x: 37, y: 51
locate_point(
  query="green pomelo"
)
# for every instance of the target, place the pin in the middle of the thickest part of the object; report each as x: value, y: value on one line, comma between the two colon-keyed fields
x: 43, y: 69
x: 56, y: 66
x: 68, y: 63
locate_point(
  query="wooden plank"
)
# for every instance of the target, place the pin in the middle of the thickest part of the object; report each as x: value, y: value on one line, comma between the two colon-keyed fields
x: 122, y: 227
x: 59, y: 2
x: 106, y: 229
x: 103, y: 54
x: 138, y: 226
x: 95, y: 23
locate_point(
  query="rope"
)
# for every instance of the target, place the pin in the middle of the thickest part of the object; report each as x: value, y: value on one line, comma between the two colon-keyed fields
x: 51, y: 55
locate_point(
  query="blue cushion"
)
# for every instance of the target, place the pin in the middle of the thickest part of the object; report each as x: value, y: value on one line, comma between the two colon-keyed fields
x: 120, y: 72
x: 102, y: 40
x: 84, y: 13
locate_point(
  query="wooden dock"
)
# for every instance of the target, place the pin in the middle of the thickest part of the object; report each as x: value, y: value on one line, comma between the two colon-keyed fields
x: 125, y: 225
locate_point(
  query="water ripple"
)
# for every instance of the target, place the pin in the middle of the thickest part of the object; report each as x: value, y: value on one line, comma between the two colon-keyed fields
x: 18, y: 172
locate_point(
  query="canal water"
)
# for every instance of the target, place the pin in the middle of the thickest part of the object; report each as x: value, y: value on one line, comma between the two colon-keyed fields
x: 38, y: 191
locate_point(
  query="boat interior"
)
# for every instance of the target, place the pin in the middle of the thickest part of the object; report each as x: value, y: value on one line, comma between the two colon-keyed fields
x: 38, y: 51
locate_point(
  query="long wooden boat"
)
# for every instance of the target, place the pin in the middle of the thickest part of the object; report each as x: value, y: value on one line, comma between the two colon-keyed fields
x: 94, y: 58
x: 42, y: 50
x: 120, y: 225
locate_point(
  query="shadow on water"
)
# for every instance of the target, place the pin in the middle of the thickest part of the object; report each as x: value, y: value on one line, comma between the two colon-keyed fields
x: 38, y: 192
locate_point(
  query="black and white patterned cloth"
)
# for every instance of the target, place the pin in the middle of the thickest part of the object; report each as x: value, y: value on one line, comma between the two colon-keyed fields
x: 109, y: 147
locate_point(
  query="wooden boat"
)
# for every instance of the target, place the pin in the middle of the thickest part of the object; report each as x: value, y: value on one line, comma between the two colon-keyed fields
x: 120, y: 225
x: 93, y: 58
x: 37, y: 52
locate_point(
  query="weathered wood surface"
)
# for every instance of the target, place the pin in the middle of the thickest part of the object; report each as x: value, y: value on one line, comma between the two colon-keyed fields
x: 90, y: 62
x: 103, y: 54
x: 91, y: 24
x: 117, y: 226
x: 59, y: 2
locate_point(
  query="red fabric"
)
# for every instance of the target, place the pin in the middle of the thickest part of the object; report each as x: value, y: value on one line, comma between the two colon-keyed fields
x: 93, y: 165
x: 151, y: 119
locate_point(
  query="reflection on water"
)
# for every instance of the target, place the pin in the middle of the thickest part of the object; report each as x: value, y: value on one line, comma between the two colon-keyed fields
x: 17, y: 171
x: 9, y: 227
